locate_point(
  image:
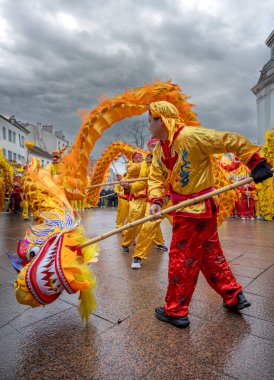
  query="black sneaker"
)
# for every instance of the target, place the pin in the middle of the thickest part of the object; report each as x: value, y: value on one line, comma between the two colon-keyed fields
x: 125, y: 249
x: 175, y: 321
x: 161, y: 247
x: 241, y: 303
x: 136, y: 263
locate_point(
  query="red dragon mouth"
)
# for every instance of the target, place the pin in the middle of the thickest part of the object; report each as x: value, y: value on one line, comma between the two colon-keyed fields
x: 45, y: 278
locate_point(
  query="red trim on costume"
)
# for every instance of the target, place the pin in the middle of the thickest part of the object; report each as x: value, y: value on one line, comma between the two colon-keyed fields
x: 159, y: 200
x: 254, y: 161
x: 125, y: 197
x: 167, y: 159
x: 138, y: 196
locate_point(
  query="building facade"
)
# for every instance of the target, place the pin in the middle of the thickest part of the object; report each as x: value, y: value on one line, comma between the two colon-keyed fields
x: 44, y: 157
x: 264, y: 92
x: 14, y: 134
x: 12, y: 139
x: 45, y: 137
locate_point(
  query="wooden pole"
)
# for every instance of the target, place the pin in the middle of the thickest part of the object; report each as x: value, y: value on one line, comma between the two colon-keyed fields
x: 188, y: 202
x: 114, y: 167
x: 108, y: 195
x: 114, y: 183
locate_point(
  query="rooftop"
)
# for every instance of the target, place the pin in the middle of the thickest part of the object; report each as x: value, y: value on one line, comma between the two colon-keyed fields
x: 15, y: 123
x: 40, y: 151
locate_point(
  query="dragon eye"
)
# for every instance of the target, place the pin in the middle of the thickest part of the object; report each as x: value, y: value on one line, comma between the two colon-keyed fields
x: 34, y: 252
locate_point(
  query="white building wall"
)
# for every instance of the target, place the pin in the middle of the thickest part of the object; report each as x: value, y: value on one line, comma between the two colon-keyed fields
x: 260, y: 119
x: 264, y: 92
x: 52, y: 142
x: 271, y: 122
x: 43, y: 160
x: 45, y: 139
x: 49, y: 140
x: 265, y: 111
x: 35, y: 135
x: 12, y: 142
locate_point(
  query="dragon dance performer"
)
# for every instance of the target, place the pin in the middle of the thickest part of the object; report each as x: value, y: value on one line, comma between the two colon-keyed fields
x: 15, y: 199
x: 245, y: 205
x: 123, y: 199
x: 150, y: 232
x: 184, y: 155
x: 25, y: 206
x: 137, y: 202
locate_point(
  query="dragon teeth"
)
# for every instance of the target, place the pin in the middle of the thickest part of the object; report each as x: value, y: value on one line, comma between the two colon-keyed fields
x: 44, y: 283
x: 53, y: 276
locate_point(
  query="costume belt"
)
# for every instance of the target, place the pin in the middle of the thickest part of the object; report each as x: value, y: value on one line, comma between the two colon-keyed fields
x: 177, y: 198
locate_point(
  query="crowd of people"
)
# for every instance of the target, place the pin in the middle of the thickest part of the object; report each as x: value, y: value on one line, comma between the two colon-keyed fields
x: 108, y: 198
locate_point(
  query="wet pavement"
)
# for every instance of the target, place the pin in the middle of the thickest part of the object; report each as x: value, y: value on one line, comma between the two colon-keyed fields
x: 123, y: 339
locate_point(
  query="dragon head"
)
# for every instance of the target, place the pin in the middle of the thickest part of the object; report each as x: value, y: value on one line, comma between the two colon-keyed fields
x: 50, y: 261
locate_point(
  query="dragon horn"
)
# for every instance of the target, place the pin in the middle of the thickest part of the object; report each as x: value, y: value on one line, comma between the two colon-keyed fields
x: 16, y: 262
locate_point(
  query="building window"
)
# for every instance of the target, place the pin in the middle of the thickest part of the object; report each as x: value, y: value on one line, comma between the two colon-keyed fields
x: 9, y: 156
x: 14, y: 156
x: 13, y: 137
x: 4, y: 133
x: 10, y: 139
x: 42, y: 162
x: 21, y: 141
x: 4, y: 152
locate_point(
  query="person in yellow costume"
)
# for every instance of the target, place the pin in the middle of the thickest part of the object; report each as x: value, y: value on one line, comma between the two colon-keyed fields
x: 122, y: 208
x: 150, y: 232
x: 183, y: 155
x: 25, y: 207
x: 137, y: 202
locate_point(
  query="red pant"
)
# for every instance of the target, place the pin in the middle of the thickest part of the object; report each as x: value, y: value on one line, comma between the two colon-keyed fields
x: 195, y: 246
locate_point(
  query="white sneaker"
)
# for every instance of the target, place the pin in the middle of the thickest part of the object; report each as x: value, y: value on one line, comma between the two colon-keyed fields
x: 162, y: 247
x: 136, y: 263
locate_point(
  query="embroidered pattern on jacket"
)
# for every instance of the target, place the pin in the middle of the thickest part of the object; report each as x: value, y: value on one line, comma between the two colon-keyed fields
x: 184, y: 172
x: 165, y: 174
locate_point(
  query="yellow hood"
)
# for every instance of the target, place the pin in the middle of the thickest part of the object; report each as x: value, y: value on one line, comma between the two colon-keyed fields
x: 169, y: 115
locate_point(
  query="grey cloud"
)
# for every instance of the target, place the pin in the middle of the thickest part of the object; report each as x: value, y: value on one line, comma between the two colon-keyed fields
x: 49, y: 71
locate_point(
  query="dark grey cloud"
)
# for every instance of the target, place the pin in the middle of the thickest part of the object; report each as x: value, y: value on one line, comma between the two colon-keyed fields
x: 58, y: 56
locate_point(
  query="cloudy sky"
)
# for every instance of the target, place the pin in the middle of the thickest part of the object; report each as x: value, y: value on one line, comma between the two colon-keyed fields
x: 59, y: 55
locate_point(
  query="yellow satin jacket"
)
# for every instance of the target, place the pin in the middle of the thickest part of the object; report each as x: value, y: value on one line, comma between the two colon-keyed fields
x: 192, y: 171
x: 141, y: 185
x: 134, y: 170
x: 120, y: 190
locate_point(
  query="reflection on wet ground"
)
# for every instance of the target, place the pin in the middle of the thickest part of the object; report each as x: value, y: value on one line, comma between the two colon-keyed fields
x: 123, y: 339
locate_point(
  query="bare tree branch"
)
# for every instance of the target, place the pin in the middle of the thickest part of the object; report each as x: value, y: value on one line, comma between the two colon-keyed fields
x: 136, y: 133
